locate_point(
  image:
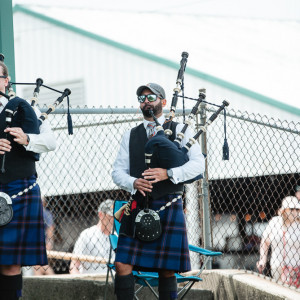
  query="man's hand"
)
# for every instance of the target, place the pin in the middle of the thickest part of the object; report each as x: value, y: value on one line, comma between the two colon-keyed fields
x: 260, y: 266
x: 18, y: 133
x: 142, y: 185
x: 155, y: 175
x: 4, y: 146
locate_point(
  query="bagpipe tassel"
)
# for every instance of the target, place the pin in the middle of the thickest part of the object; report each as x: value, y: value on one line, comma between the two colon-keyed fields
x: 69, y: 118
x: 225, y: 146
x: 225, y: 150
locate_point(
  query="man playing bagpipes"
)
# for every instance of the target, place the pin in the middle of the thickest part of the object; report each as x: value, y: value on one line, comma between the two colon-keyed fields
x: 22, y: 236
x: 168, y: 251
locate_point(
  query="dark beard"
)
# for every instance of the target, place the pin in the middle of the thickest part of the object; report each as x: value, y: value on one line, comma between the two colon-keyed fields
x: 156, y: 110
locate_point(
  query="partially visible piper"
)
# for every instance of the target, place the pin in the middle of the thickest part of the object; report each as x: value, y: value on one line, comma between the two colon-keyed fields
x: 169, y: 253
x: 22, y: 236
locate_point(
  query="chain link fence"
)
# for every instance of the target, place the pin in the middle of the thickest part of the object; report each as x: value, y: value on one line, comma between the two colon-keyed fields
x: 246, y: 193
x: 235, y: 201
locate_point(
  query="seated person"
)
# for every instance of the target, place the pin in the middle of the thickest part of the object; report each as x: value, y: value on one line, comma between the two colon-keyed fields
x: 94, y: 241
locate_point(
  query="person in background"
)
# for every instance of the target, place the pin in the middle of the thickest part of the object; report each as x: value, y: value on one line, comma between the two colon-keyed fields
x: 283, y: 236
x: 297, y: 192
x: 94, y: 241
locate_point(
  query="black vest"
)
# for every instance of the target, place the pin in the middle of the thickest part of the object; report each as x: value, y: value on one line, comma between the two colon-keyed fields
x: 19, y: 163
x: 137, y: 141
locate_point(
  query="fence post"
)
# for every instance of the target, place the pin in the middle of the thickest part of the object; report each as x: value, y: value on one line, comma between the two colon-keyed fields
x: 205, y: 190
x: 7, y: 36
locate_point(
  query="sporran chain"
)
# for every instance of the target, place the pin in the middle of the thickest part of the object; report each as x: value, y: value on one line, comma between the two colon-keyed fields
x: 168, y: 204
x: 24, y: 191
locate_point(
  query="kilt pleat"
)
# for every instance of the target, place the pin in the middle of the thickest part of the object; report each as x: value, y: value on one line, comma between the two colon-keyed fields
x: 169, y: 252
x: 22, y: 241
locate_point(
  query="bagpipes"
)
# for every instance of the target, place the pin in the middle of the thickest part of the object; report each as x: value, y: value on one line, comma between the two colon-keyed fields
x: 51, y: 108
x: 161, y: 152
x: 20, y: 113
x: 177, y: 90
x: 15, y: 102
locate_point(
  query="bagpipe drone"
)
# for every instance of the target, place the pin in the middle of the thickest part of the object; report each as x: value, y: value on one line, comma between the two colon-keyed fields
x: 18, y: 111
x: 160, y: 151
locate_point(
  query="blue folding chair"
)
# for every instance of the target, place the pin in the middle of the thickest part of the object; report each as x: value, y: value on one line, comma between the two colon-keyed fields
x: 150, y: 279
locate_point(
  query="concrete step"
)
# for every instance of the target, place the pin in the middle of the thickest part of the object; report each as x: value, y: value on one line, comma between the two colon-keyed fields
x: 216, y: 285
x: 85, y: 288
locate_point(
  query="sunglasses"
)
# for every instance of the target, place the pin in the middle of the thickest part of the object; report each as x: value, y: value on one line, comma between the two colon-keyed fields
x: 151, y: 98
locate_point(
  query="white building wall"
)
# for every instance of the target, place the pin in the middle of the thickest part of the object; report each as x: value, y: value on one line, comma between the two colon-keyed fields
x: 110, y: 76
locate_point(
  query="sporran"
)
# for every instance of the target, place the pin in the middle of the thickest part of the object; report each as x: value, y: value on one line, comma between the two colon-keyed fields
x: 6, y: 211
x: 147, y: 225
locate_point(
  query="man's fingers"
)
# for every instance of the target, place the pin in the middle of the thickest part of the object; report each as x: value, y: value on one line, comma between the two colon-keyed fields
x: 16, y: 129
x: 147, y: 187
x: 4, y: 142
x: 141, y: 191
x: 3, y: 150
x: 145, y: 183
x: 150, y: 172
x: 13, y: 133
x: 4, y: 145
x: 16, y: 133
x: 144, y: 188
x: 155, y: 175
x: 154, y: 180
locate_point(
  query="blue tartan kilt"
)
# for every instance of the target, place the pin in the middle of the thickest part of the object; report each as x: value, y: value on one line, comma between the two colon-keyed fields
x: 170, y: 251
x: 22, y: 241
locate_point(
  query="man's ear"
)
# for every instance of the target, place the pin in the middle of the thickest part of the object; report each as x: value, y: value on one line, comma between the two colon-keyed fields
x: 6, y: 82
x: 164, y: 102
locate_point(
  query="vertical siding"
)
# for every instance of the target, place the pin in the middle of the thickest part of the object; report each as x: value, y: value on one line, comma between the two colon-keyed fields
x: 110, y: 75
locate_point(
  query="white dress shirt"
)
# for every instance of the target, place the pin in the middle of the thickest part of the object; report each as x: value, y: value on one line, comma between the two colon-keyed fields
x: 39, y: 143
x: 189, y: 170
x: 92, y: 241
x: 285, y: 245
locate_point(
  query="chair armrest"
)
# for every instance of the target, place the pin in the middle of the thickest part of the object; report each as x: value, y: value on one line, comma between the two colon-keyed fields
x: 204, y: 251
